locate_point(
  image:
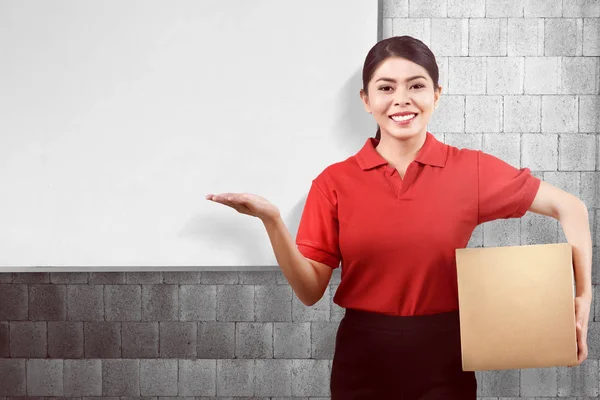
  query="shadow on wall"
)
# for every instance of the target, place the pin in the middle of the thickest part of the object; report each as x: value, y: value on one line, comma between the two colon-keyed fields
x: 353, y: 124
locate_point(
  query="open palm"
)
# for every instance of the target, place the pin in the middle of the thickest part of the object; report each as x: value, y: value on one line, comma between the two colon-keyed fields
x: 247, y: 203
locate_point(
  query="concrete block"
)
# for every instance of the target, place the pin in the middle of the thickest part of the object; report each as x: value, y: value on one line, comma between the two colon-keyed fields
x: 4, y: 340
x: 483, y: 114
x: 590, y: 189
x: 197, y: 377
x: 476, y: 239
x: 337, y: 312
x: 505, y: 75
x: 570, y: 182
x: 45, y: 378
x: 505, y: 146
x: 47, y: 302
x: 447, y: 36
x: 14, y: 300
x: 577, y: 152
x: 220, y: 278
x: 68, y: 277
x: 6, y: 277
x: 140, y: 339
x: 254, y: 340
x: 545, y: 9
x: 387, y: 28
x: 593, y: 340
x: 467, y: 75
x: 14, y: 378
x: 235, y: 378
x: 102, y: 339
x: 539, y: 382
x: 292, y: 340
x: 466, y: 8
x: 323, y: 335
x: 539, y: 152
x: 273, y: 377
x: 499, y: 383
x: 216, y: 339
x: 449, y: 116
x: 198, y: 303
x: 123, y: 302
x: 591, y: 36
x: 542, y: 75
x: 395, y: 8
x: 107, y: 278
x: 258, y: 277
x: 581, y: 8
x: 428, y: 8
x: 559, y: 114
x: 31, y: 277
x: 560, y: 37
x: 487, y: 37
x: 120, y: 377
x: 503, y: 8
x: 181, y: 277
x: 523, y: 37
x: 28, y: 339
x: 82, y: 377
x: 538, y: 229
x: 579, y: 75
x: 522, y: 113
x: 589, y: 117
x: 595, y: 267
x: 160, y: 303
x: 144, y: 278
x: 310, y: 377
x: 442, y: 64
x: 85, y: 303
x: 65, y: 339
x: 178, y: 339
x: 502, y: 232
x: 235, y: 303
x: 158, y: 377
x: 419, y: 28
x: 273, y: 303
x: 317, y: 312
x: 581, y: 380
x: 472, y: 141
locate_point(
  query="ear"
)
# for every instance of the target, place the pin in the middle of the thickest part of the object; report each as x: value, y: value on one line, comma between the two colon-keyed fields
x: 365, y: 100
x: 436, y: 95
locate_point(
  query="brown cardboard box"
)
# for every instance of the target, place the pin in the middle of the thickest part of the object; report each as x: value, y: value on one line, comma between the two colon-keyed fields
x: 517, y: 307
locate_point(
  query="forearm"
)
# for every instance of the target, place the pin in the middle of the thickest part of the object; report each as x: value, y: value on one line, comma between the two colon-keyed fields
x: 298, y: 271
x: 575, y: 224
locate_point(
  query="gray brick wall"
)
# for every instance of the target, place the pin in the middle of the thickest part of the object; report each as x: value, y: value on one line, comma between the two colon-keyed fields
x: 521, y: 81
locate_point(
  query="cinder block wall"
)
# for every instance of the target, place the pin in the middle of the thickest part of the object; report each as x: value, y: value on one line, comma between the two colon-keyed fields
x: 521, y: 81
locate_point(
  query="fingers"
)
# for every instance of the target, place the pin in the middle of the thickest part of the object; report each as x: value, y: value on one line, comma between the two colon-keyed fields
x: 237, y: 198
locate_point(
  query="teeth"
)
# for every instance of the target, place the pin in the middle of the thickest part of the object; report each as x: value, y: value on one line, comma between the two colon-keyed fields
x: 403, y: 118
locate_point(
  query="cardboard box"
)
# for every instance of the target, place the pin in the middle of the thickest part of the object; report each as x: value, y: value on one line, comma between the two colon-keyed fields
x: 517, y: 307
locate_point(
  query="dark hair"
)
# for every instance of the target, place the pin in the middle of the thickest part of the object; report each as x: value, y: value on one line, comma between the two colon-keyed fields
x: 399, y: 46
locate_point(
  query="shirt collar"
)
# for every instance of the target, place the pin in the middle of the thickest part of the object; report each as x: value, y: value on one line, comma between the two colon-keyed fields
x: 433, y: 153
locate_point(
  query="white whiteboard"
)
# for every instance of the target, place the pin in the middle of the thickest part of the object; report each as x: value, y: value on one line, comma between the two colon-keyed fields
x: 118, y: 117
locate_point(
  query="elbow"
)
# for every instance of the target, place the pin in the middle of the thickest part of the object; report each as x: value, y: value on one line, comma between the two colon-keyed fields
x: 570, y: 206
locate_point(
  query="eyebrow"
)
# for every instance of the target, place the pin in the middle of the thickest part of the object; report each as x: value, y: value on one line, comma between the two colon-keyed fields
x: 394, y: 81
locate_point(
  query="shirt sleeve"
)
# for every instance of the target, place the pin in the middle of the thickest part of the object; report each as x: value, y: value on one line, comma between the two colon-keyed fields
x: 504, y: 191
x: 318, y: 232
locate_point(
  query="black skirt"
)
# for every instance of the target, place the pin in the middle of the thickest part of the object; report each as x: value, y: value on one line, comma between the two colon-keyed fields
x: 379, y: 356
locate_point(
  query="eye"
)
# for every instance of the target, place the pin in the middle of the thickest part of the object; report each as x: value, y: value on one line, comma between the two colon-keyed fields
x: 418, y: 86
x: 383, y: 87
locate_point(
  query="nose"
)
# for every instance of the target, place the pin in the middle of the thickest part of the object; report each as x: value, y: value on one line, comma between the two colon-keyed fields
x: 402, y: 96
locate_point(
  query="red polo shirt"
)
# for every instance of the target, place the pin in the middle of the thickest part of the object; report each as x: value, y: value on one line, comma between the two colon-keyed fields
x: 396, y: 238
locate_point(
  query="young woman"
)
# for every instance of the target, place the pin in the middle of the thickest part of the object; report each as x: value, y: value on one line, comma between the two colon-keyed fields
x: 393, y: 215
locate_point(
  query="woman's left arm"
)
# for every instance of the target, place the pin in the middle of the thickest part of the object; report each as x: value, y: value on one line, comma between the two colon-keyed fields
x: 572, y: 214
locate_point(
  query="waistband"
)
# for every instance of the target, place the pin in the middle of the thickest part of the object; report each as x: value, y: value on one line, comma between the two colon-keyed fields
x: 445, y: 320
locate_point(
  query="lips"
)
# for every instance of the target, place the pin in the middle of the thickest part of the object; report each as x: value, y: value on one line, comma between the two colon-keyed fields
x: 403, y: 118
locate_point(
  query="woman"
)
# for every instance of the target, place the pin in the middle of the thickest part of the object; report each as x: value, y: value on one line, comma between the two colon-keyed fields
x: 393, y: 215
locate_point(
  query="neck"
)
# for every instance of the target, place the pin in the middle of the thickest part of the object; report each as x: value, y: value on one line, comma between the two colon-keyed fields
x: 398, y: 151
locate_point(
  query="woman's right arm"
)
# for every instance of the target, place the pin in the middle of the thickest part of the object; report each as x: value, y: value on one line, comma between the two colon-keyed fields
x: 308, y: 278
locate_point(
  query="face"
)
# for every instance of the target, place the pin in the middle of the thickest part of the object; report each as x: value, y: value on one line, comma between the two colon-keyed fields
x: 401, y: 98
